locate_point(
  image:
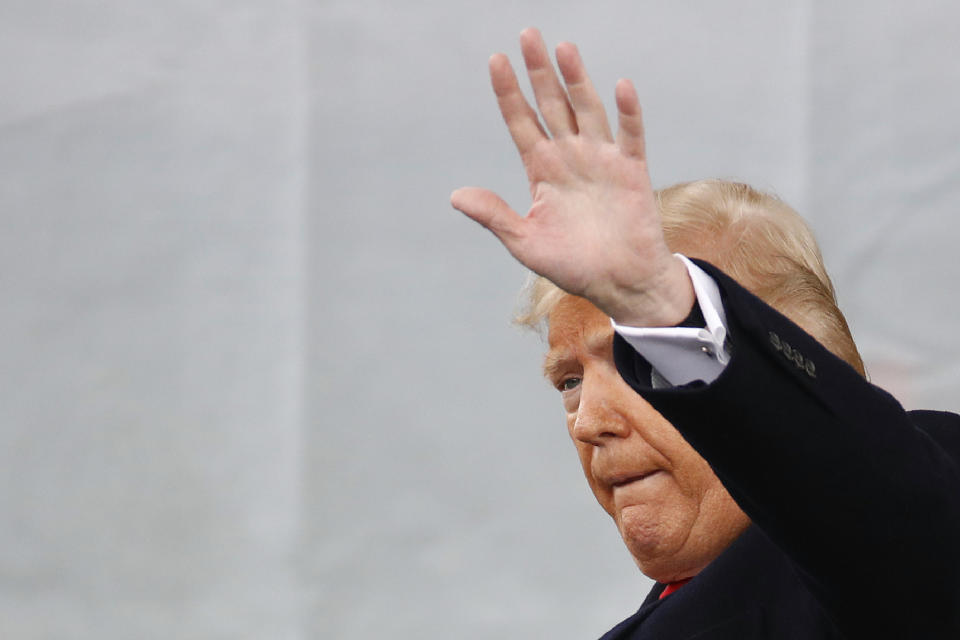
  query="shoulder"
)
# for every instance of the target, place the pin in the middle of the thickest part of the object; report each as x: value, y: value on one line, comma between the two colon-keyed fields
x: 941, y: 426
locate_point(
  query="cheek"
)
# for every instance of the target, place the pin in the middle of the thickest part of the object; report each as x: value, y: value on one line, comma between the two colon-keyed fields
x: 695, y: 478
x: 691, y: 473
x: 585, y: 453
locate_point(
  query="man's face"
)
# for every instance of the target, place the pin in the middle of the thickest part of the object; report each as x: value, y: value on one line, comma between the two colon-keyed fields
x: 673, y: 513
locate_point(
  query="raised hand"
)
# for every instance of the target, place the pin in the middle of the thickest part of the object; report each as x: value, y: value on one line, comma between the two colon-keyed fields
x: 593, y: 228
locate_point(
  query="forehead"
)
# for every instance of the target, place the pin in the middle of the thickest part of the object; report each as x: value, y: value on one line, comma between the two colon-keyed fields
x: 575, y: 323
x: 573, y: 317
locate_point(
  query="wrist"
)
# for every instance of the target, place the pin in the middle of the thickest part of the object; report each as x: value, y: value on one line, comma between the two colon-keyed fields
x: 666, y: 304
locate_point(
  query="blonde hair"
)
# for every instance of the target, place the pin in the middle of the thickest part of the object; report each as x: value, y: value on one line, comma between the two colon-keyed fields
x: 756, y: 239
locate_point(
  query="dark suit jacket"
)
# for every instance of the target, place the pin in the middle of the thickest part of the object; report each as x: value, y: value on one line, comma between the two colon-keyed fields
x: 855, y: 502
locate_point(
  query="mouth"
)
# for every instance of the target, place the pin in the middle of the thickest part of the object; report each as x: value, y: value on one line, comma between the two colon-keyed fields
x: 624, y: 480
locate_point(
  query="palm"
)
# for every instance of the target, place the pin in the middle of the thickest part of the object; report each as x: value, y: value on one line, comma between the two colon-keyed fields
x: 593, y: 228
x: 586, y: 197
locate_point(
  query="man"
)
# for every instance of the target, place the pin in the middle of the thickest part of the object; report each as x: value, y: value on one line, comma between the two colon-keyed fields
x: 770, y: 490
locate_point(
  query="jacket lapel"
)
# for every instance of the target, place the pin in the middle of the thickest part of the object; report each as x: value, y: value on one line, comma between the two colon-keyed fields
x: 625, y: 628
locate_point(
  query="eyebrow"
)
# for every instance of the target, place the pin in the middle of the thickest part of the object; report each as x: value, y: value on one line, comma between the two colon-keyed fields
x: 555, y: 360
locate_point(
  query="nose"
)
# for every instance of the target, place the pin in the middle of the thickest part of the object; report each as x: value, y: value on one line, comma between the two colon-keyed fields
x: 602, y: 413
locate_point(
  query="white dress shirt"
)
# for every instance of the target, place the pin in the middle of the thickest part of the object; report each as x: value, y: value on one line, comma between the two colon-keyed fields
x: 680, y: 355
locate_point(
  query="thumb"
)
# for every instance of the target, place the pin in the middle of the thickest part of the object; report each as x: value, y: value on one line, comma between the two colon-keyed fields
x: 488, y: 209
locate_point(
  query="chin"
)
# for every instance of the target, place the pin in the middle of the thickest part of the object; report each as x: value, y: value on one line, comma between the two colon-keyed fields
x: 668, y: 554
x: 659, y: 548
x: 667, y: 570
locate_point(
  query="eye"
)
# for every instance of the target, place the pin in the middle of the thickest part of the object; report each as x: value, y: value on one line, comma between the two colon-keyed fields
x: 570, y: 384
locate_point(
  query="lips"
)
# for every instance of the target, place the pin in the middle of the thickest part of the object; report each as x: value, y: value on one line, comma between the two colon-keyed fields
x: 623, y: 479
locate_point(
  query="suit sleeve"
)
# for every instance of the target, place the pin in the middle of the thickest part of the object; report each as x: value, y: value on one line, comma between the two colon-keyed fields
x: 862, y: 499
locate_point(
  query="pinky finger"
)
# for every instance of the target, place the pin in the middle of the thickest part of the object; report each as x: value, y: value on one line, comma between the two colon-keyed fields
x: 630, y: 132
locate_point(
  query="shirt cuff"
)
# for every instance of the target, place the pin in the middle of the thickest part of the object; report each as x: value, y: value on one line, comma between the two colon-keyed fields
x: 680, y: 355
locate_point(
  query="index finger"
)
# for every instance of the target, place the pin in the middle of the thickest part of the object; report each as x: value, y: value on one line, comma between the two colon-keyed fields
x: 521, y: 119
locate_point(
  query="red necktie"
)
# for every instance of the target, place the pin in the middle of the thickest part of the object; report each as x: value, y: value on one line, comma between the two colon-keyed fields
x: 673, y: 586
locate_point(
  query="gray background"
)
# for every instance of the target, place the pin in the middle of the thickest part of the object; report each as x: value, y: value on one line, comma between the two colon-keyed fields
x: 258, y: 378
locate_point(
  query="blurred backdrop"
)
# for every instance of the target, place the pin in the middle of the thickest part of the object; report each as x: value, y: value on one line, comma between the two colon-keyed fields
x: 258, y: 378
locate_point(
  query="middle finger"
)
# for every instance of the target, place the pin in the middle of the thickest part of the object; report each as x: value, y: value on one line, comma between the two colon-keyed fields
x: 550, y: 95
